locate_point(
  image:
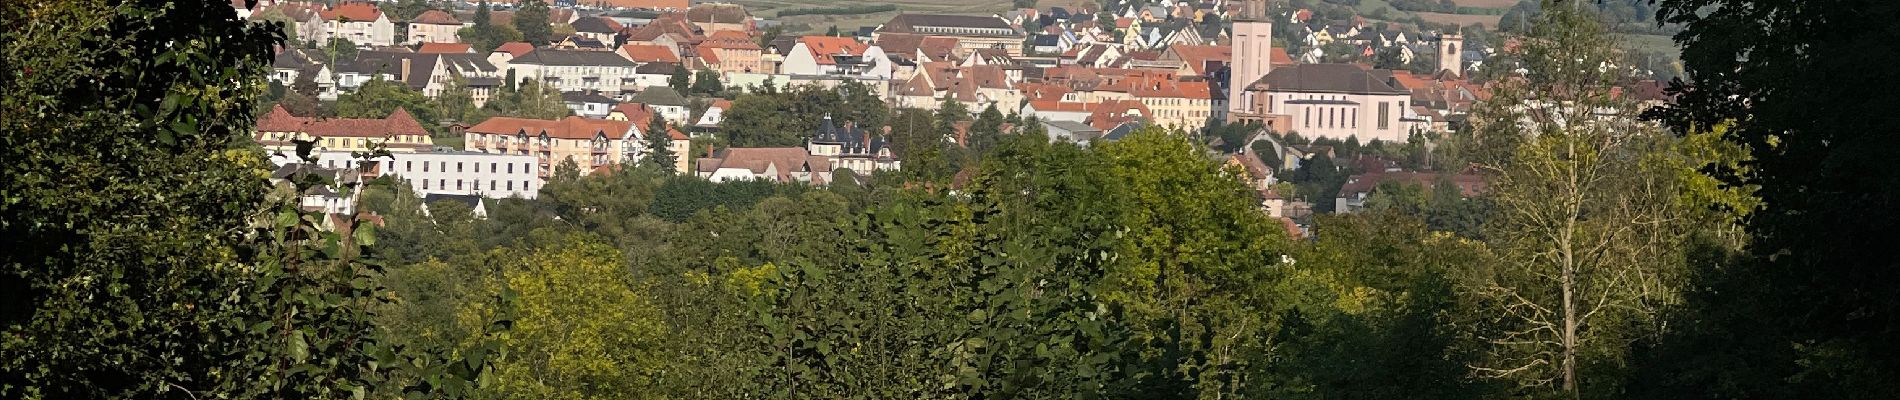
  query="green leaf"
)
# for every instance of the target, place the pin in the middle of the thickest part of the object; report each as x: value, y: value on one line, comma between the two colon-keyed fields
x: 365, y: 234
x: 298, y: 348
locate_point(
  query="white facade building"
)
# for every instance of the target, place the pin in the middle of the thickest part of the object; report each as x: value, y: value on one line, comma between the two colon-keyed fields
x: 450, y: 172
x: 576, y: 70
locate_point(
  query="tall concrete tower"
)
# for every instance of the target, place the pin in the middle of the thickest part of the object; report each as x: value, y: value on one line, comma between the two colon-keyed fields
x: 1252, y: 51
x: 1450, y: 58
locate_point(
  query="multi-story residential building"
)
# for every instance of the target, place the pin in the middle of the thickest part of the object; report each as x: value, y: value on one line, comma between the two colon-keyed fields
x: 1184, y: 104
x: 362, y: 23
x: 444, y: 172
x: 277, y: 131
x: 576, y: 70
x: 972, y: 32
x: 731, y: 51
x: 826, y: 55
x: 467, y: 173
x: 1332, y: 100
x: 847, y: 146
x: 434, y: 26
x: 592, y: 144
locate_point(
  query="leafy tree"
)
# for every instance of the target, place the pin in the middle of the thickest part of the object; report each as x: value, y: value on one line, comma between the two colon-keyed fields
x: 949, y: 113
x: 759, y: 120
x: 274, y: 14
x: 770, y: 35
x: 987, y: 130
x: 532, y: 21
x: 529, y: 99
x: 1579, y: 276
x: 583, y: 330
x: 706, y: 82
x: 405, y: 10
x: 457, y: 102
x: 339, y: 49
x: 379, y: 97
x: 680, y: 80
x: 1812, y: 299
x: 484, y: 35
x: 915, y: 140
x: 206, y: 281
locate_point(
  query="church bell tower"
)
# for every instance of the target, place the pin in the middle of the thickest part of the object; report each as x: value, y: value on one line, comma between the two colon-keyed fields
x: 1252, y: 44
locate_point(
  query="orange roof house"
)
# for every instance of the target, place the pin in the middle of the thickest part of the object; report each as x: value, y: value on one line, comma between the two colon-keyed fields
x: 828, y: 45
x: 649, y: 53
x: 363, y: 12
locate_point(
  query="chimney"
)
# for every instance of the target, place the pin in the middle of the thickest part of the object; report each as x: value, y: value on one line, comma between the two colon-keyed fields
x: 405, y: 71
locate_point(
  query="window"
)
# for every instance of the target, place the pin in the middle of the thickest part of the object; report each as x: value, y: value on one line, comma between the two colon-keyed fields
x: 511, y: 168
x: 1308, y: 121
x: 1385, y: 113
x: 442, y: 183
x: 511, y: 185
x: 1355, y: 117
x: 425, y: 166
x: 458, y: 184
x: 478, y: 167
x: 491, y: 185
x: 458, y: 166
x: 491, y: 168
x: 444, y: 165
x: 425, y: 184
x: 409, y: 166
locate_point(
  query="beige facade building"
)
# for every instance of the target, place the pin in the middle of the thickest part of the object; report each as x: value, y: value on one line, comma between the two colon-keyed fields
x: 593, y: 144
x: 434, y: 26
x: 278, y: 131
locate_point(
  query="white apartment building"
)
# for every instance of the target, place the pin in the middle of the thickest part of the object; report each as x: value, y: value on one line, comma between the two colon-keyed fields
x: 576, y: 70
x: 450, y: 172
x: 360, y: 23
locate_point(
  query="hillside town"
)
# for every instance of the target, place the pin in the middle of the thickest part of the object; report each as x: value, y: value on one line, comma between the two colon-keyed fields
x: 916, y: 199
x: 1084, y: 74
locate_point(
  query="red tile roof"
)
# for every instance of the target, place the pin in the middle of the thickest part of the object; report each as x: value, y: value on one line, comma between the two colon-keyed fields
x: 634, y: 111
x: 824, y: 46
x: 649, y: 53
x: 1280, y: 58
x: 398, y: 122
x: 515, y: 49
x: 1198, y: 57
x: 730, y: 39
x: 435, y: 17
x: 565, y: 128
x: 358, y: 12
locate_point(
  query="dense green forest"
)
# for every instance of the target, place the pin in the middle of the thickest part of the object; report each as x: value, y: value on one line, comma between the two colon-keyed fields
x: 1724, y: 248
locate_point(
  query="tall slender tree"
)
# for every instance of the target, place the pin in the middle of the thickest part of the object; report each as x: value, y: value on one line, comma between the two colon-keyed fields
x: 1588, y: 215
x: 659, y: 144
x: 532, y: 20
